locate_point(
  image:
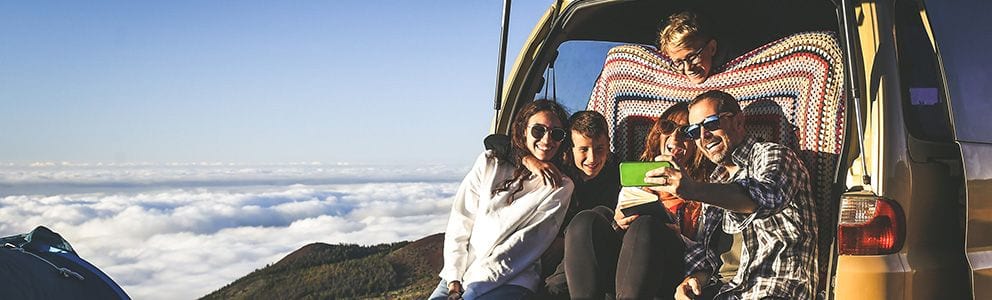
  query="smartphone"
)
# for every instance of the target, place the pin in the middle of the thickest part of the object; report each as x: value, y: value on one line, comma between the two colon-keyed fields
x: 632, y: 172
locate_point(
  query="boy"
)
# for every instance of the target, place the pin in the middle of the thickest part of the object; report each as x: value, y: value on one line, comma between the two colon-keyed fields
x: 595, y: 172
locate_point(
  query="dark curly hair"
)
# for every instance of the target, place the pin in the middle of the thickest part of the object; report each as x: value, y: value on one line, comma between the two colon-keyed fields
x: 518, y: 141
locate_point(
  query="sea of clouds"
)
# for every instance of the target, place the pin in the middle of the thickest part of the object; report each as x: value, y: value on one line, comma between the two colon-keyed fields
x: 180, y: 231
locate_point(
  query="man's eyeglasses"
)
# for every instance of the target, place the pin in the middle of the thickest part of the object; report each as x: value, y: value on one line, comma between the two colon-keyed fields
x: 668, y: 127
x: 711, y: 123
x: 537, y: 131
x: 693, y: 58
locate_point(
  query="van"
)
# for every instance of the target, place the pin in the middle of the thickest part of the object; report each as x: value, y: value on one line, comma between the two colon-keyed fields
x: 906, y: 181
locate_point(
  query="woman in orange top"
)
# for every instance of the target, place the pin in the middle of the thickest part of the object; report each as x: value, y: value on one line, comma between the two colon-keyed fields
x: 666, y: 141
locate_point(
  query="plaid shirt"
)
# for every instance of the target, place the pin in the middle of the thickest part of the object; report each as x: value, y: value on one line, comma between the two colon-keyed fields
x: 778, y: 257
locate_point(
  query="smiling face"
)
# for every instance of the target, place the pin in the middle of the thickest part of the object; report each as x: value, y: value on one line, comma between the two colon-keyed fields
x: 716, y: 144
x: 681, y: 149
x: 543, y: 147
x: 694, y: 60
x: 589, y: 154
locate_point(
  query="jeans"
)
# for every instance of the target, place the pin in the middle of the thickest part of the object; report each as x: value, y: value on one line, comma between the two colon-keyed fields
x: 508, y: 291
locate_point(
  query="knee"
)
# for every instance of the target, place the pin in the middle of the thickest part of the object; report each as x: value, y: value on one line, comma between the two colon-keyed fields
x: 582, y: 223
x: 644, y: 223
x: 440, y: 292
x: 604, y: 211
x: 655, y: 228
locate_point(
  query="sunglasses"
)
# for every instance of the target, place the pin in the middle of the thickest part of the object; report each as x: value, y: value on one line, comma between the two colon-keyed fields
x: 557, y: 134
x: 711, y: 123
x: 668, y: 128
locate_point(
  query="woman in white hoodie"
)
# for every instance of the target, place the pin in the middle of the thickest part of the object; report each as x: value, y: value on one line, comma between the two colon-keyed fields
x: 503, y: 217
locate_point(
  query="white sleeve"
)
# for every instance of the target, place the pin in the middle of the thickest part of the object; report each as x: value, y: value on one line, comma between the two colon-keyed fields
x: 523, y: 247
x: 462, y: 219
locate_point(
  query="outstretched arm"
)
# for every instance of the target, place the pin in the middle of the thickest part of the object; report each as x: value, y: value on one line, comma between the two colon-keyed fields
x: 729, y: 196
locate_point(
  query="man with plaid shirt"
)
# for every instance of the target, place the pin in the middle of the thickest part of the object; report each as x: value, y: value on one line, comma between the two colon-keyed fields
x: 760, y: 190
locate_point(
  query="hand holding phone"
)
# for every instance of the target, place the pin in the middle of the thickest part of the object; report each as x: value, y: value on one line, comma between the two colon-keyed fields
x: 632, y: 173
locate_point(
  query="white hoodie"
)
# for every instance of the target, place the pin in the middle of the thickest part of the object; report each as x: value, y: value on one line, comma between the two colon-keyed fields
x: 490, y: 243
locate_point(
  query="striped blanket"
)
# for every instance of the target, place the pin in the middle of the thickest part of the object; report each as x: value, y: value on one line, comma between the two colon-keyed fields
x: 791, y: 90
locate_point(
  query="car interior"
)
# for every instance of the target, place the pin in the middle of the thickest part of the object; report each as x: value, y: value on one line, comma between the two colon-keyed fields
x: 789, y: 76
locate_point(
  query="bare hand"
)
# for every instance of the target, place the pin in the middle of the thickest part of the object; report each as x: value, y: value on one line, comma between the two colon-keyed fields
x: 622, y: 221
x: 455, y: 290
x: 692, y: 286
x: 668, y: 179
x: 548, y: 172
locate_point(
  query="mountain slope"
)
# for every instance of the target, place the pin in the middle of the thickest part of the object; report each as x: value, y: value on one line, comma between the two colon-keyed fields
x: 404, y: 270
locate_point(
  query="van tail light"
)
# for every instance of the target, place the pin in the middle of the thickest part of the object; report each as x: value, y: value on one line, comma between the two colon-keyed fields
x: 870, y: 225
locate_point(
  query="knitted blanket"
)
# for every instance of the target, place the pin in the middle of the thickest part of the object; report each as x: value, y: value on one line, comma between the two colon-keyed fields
x: 791, y: 90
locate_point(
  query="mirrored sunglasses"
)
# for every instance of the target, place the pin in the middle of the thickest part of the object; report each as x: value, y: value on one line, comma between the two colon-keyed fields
x: 711, y: 123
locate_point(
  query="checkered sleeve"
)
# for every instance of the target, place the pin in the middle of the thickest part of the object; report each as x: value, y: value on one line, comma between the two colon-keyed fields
x: 699, y: 256
x: 773, y: 181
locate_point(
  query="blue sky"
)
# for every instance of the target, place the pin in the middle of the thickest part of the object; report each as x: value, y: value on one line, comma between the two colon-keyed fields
x: 250, y: 81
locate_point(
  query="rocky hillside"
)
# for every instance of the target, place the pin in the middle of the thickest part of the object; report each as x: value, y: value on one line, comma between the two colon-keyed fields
x: 404, y: 270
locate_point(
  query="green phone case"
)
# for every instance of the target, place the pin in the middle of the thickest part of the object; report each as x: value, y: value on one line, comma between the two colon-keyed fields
x: 632, y: 172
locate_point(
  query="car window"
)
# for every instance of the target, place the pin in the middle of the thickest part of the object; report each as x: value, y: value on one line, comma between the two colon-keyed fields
x: 571, y: 78
x: 963, y: 40
x: 924, y: 100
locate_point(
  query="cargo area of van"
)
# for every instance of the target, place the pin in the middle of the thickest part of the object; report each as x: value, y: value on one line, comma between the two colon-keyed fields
x: 859, y: 89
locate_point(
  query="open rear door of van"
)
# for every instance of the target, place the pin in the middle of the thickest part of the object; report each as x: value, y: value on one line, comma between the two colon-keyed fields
x: 961, y: 33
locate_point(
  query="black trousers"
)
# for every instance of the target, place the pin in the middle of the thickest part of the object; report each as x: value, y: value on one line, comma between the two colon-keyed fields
x: 643, y: 262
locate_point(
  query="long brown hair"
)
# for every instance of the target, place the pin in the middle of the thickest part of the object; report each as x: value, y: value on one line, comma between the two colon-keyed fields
x: 518, y: 142
x: 699, y: 167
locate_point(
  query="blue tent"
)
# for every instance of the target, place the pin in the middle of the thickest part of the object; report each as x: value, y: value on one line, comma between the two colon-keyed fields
x: 42, y: 265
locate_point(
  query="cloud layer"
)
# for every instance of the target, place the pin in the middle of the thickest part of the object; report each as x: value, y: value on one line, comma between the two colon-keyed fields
x: 165, y: 242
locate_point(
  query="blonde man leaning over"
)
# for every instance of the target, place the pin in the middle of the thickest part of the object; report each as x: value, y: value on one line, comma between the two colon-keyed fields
x: 689, y: 42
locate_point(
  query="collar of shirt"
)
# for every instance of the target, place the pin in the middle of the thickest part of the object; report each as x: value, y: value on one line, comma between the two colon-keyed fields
x: 740, y: 156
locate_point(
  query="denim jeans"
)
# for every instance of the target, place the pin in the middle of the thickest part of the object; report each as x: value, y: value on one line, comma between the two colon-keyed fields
x: 503, y: 292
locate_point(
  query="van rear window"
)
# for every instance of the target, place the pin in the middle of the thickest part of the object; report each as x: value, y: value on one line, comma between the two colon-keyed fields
x: 926, y: 106
x: 575, y: 71
x: 923, y: 96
